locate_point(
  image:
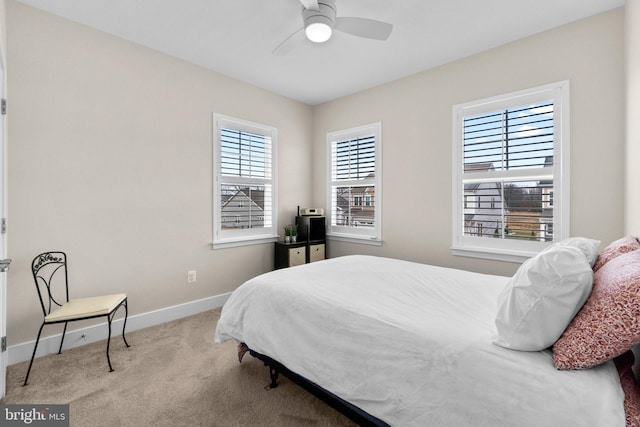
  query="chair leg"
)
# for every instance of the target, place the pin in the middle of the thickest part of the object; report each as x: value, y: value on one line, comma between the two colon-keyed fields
x: 124, y: 326
x: 109, y: 320
x: 109, y: 342
x: 62, y: 340
x: 35, y: 347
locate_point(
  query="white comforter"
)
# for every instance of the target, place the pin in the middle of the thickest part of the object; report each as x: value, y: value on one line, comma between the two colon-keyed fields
x: 411, y: 344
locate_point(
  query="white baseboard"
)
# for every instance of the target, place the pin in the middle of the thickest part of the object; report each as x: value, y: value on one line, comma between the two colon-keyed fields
x: 20, y: 352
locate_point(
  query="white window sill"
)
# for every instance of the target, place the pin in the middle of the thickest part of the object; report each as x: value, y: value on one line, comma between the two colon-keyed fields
x: 363, y: 240
x: 493, y: 254
x: 234, y: 243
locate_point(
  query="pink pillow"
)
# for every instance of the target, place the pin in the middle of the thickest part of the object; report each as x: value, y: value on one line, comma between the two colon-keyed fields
x: 631, y: 398
x: 624, y: 364
x: 609, y: 322
x: 615, y: 249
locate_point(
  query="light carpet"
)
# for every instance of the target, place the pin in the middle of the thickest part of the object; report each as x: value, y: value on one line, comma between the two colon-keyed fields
x: 172, y: 375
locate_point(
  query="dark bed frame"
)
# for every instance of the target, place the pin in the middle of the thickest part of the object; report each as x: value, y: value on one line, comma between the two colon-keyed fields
x: 349, y: 410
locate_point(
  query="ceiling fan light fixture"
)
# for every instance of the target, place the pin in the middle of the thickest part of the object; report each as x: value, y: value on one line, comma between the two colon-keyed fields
x: 318, y: 24
x: 319, y: 20
x: 318, y: 32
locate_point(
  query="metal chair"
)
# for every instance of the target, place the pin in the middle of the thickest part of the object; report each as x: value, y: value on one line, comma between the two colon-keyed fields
x: 49, y: 273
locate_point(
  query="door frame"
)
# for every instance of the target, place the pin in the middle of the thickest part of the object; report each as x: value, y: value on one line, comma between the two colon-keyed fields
x: 3, y: 216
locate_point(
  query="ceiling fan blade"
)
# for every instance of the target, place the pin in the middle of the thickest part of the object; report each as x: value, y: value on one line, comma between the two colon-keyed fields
x: 294, y: 40
x: 363, y: 27
x: 310, y: 4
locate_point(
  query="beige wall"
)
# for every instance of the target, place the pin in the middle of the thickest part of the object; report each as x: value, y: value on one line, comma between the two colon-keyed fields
x: 632, y: 212
x: 3, y: 27
x: 417, y: 126
x: 111, y: 157
x: 111, y: 161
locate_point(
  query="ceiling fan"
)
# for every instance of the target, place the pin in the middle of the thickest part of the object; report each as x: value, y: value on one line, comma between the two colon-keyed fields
x: 319, y: 19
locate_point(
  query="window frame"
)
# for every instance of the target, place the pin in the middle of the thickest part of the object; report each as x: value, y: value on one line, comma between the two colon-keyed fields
x: 513, y: 250
x: 249, y: 236
x: 362, y: 235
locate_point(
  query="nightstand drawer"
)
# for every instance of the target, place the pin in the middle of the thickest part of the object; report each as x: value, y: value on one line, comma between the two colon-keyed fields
x: 297, y: 256
x: 316, y: 252
x: 290, y: 254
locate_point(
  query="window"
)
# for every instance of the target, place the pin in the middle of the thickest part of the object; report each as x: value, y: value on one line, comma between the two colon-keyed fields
x: 354, y: 186
x: 510, y: 173
x: 244, y: 182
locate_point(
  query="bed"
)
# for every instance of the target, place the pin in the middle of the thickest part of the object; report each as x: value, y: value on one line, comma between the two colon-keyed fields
x: 392, y: 342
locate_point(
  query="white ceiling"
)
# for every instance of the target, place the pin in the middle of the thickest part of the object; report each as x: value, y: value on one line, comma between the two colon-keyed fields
x: 236, y: 37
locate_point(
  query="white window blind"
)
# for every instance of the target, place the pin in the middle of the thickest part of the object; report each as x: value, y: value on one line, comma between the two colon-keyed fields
x: 513, y: 139
x: 245, y: 154
x: 355, y: 184
x: 244, y: 185
x: 508, y: 154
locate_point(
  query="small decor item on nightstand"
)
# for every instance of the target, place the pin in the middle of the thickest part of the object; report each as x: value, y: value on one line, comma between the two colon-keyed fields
x: 290, y: 233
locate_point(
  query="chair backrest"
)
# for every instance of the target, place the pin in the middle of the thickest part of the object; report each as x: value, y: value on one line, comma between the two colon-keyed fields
x: 50, y: 275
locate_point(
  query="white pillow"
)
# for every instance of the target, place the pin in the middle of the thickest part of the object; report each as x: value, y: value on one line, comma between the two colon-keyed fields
x: 542, y: 297
x: 589, y: 247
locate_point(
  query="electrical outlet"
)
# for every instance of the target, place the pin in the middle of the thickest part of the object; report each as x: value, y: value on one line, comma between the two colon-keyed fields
x: 191, y: 276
